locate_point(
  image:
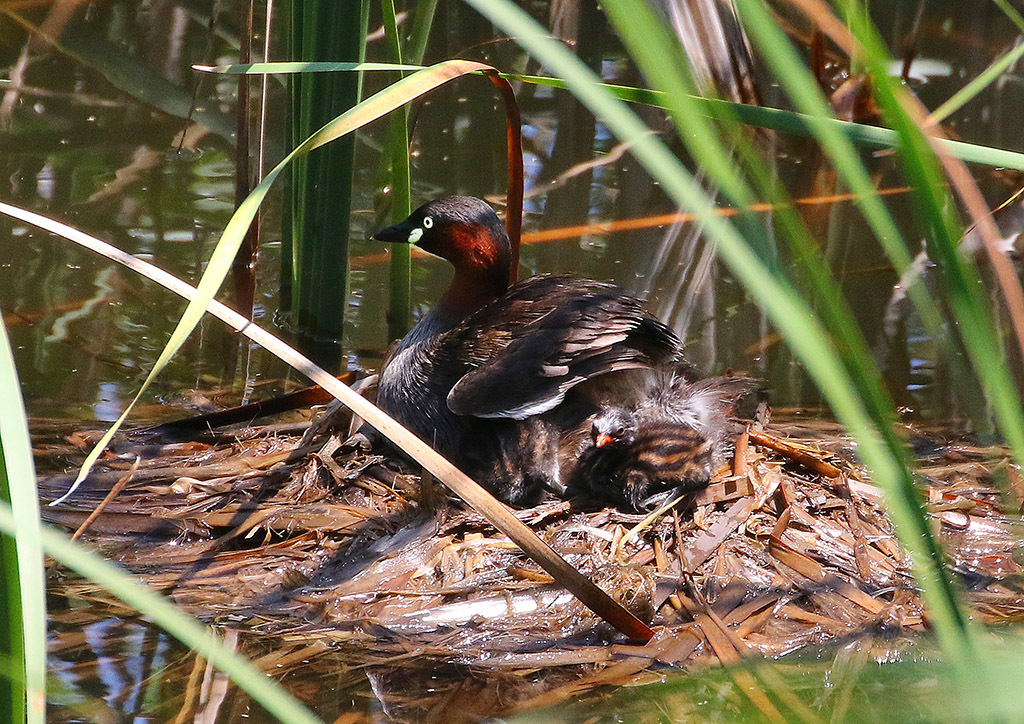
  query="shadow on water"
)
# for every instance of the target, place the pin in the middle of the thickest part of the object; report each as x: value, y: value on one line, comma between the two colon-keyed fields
x: 87, y: 143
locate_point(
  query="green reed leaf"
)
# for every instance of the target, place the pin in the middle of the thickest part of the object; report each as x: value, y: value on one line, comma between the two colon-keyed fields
x: 24, y: 583
x: 804, y: 334
x: 986, y: 78
x: 776, y: 119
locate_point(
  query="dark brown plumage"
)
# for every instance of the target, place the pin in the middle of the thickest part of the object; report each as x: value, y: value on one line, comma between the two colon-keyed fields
x: 493, y: 376
x: 629, y: 461
x: 675, y: 437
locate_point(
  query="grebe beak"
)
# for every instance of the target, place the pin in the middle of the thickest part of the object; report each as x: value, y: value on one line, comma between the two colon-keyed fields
x: 403, y: 233
x: 603, y: 439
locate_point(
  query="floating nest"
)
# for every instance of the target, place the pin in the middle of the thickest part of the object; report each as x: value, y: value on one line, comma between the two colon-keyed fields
x: 329, y: 551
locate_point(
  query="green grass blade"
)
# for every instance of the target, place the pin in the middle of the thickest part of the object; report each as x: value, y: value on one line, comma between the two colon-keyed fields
x: 797, y: 80
x: 788, y: 311
x: 970, y: 91
x: 800, y: 124
x: 958, y: 273
x: 422, y: 20
x: 186, y: 629
x: 640, y: 34
x: 19, y: 482
x: 1011, y: 12
x: 902, y: 497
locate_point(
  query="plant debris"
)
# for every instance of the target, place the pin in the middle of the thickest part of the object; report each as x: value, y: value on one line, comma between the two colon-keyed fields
x: 326, y: 549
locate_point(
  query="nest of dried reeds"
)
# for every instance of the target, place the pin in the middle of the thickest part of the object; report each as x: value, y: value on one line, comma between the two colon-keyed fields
x: 330, y: 549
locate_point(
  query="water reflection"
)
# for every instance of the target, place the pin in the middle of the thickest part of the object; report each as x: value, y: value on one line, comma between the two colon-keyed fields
x: 110, y: 168
x: 111, y: 664
x: 122, y: 670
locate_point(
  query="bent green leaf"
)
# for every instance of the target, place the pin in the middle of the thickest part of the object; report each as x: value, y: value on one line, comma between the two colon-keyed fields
x: 776, y: 119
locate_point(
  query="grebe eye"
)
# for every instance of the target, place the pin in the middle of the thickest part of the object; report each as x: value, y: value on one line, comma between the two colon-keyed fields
x: 427, y: 222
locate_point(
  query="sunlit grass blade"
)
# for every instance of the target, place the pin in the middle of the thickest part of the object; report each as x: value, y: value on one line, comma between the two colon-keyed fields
x: 957, y: 271
x: 371, y: 109
x: 799, y: 124
x: 24, y: 580
x: 190, y: 632
x: 503, y: 519
x: 902, y: 497
x: 903, y: 500
x: 802, y: 88
x: 1011, y: 12
x: 636, y: 25
x: 788, y: 311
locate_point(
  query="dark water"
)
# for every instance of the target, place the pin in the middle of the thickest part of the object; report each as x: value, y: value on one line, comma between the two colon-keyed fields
x: 86, y: 142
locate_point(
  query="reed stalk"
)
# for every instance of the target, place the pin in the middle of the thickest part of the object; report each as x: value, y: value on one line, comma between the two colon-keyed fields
x: 397, y: 151
x: 316, y: 234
